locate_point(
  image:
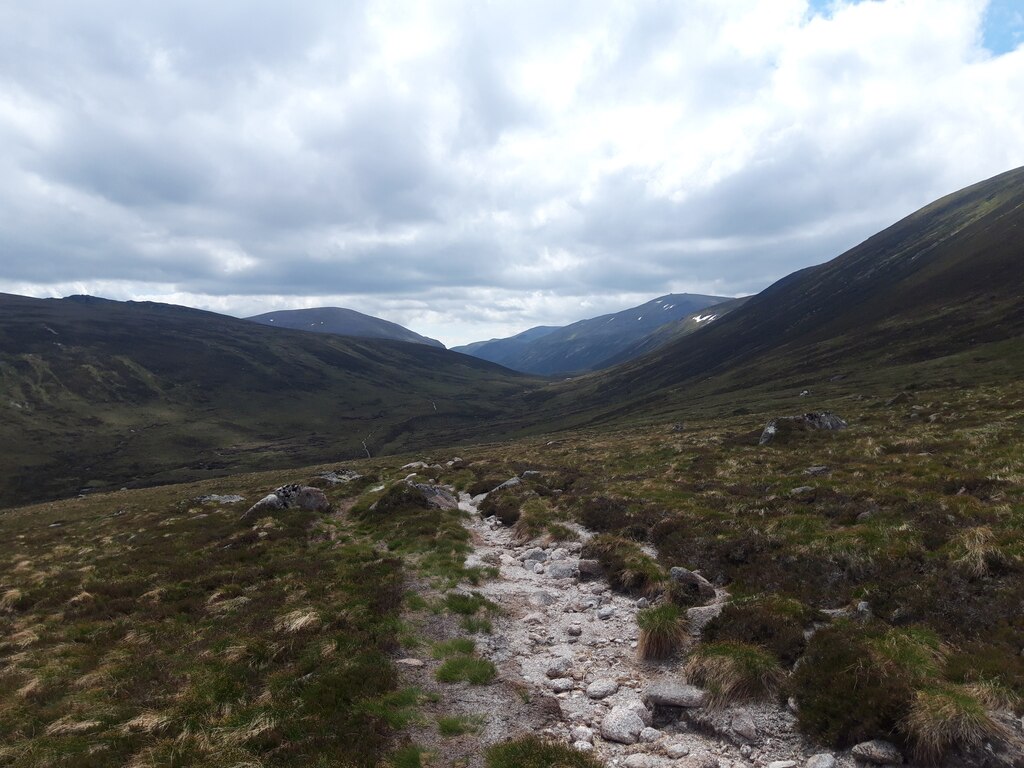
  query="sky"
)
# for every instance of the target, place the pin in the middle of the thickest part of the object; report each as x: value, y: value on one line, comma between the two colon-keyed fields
x: 472, y: 169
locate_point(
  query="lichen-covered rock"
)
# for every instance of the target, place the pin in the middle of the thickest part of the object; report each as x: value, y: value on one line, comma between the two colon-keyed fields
x: 437, y: 496
x: 562, y: 569
x: 673, y: 693
x: 693, y: 582
x: 600, y: 689
x: 304, y: 497
x: 784, y: 425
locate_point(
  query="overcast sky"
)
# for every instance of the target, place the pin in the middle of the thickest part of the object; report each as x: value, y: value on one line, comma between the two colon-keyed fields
x: 470, y: 169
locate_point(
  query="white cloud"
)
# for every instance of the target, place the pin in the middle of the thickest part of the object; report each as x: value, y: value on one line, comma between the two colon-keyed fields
x: 422, y: 160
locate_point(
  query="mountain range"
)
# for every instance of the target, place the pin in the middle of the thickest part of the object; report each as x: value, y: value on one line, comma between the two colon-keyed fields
x: 593, y: 343
x: 98, y: 393
x: 343, y: 322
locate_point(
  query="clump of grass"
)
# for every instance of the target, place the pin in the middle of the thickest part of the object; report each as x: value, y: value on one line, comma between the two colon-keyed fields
x: 733, y: 671
x: 533, y: 752
x: 476, y: 625
x: 471, y: 669
x: 858, y: 682
x: 774, y: 622
x: 459, y: 725
x: 949, y: 716
x: 662, y: 631
x: 977, y: 552
x: 460, y: 646
x: 506, y: 504
x: 467, y: 605
x: 627, y: 567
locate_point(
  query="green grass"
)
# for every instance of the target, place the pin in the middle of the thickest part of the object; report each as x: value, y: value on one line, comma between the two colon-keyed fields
x: 460, y: 646
x: 533, y: 752
x: 470, y: 669
x: 662, y: 631
x: 458, y: 726
x: 733, y: 672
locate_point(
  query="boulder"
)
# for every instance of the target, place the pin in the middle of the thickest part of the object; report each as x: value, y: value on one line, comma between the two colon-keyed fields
x: 562, y: 569
x: 590, y: 570
x: 877, y: 752
x: 743, y: 725
x: 782, y: 764
x: 650, y: 735
x: 676, y: 751
x: 560, y: 667
x: 304, y: 497
x: 437, y: 496
x: 821, y: 760
x: 693, y: 582
x: 701, y: 615
x: 582, y: 733
x: 787, y: 425
x: 673, y: 693
x: 622, y: 725
x: 640, y: 761
x: 512, y: 482
x: 561, y: 684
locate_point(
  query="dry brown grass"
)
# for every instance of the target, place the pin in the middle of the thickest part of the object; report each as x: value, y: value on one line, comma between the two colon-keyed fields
x: 732, y: 672
x: 948, y: 717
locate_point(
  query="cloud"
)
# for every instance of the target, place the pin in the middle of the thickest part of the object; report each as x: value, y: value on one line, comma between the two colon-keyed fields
x: 473, y: 169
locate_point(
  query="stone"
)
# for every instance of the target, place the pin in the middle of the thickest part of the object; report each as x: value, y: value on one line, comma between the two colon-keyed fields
x: 817, y: 471
x: 510, y: 483
x: 743, y: 725
x: 788, y: 424
x: 582, y: 733
x: 410, y: 662
x: 415, y: 465
x: 700, y: 616
x: 583, y: 746
x: 541, y: 598
x: 437, y: 496
x: 530, y: 473
x: 602, y: 688
x: 622, y: 725
x: 574, y: 630
x: 642, y: 603
x: 877, y: 752
x: 339, y: 476
x: 216, y: 498
x: 559, y: 667
x: 821, y: 760
x: 538, y: 568
x: 693, y: 582
x: 561, y: 684
x: 782, y: 764
x: 704, y: 760
x: 650, y: 735
x: 641, y: 710
x: 304, y: 497
x: 605, y: 612
x: 562, y: 569
x: 676, y: 751
x: 590, y: 570
x: 803, y: 491
x: 534, y: 553
x: 533, y: 618
x: 673, y: 693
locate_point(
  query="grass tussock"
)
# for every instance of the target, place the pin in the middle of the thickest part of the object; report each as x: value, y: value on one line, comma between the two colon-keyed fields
x: 534, y: 752
x: 662, y: 632
x: 949, y: 717
x: 470, y: 669
x: 732, y: 672
x: 771, y: 621
x: 626, y: 565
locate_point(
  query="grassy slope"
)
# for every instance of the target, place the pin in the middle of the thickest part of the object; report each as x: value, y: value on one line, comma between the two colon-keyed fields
x: 100, y: 394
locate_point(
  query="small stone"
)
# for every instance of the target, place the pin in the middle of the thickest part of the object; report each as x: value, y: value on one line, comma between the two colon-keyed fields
x: 562, y: 569
x: 541, y: 598
x: 590, y: 570
x: 782, y: 764
x: 642, y: 603
x: 650, y: 735
x: 821, y: 760
x: 582, y: 733
x: 700, y: 616
x: 694, y: 582
x: 743, y: 725
x: 533, y: 618
x: 534, y: 553
x: 816, y: 471
x: 639, y: 761
x: 410, y: 662
x: 600, y: 689
x: 672, y: 693
x: 583, y: 746
x: 538, y: 568
x: 574, y: 630
x: 878, y: 752
x: 676, y: 751
x: 746, y: 751
x: 561, y: 684
x: 559, y: 667
x: 605, y: 612
x: 803, y: 490
x: 558, y: 554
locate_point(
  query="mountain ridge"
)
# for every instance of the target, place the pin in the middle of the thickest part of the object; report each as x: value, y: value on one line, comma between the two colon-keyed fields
x: 342, y: 322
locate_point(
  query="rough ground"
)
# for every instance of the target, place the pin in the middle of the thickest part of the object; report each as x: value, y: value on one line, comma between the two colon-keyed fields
x: 538, y: 629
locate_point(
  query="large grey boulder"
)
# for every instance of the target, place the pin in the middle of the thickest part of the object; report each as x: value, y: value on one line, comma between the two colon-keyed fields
x: 590, y: 570
x: 878, y: 752
x: 602, y: 688
x: 787, y: 424
x: 304, y: 497
x: 693, y: 582
x: 437, y: 496
x: 562, y: 569
x: 673, y: 693
x: 622, y: 725
x: 821, y: 760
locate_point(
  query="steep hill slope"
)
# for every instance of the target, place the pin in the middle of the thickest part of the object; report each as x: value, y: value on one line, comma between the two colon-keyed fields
x: 944, y: 281
x: 97, y: 393
x: 586, y: 344
x: 509, y: 350
x: 343, y: 322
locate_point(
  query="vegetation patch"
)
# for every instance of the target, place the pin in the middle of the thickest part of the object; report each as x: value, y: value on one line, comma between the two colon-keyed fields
x: 662, y: 631
x: 470, y: 669
x: 771, y: 621
x: 533, y: 752
x: 947, y: 716
x: 733, y: 671
x: 626, y: 565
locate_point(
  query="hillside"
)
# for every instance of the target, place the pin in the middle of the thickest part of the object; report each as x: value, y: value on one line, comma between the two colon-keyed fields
x: 343, y: 322
x: 588, y: 344
x: 99, y: 394
x: 938, y: 291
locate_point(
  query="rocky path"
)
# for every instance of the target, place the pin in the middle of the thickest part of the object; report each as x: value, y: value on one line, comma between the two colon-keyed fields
x: 571, y: 641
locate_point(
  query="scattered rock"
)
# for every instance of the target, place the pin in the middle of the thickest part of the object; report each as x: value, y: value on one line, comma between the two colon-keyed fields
x: 788, y: 424
x: 410, y: 662
x: 673, y: 693
x: 817, y: 471
x: 542, y: 598
x: 699, y: 616
x: 216, y: 498
x: 583, y: 746
x: 437, y: 496
x: 694, y: 582
x: 650, y: 735
x: 561, y: 684
x: 574, y: 630
x: 559, y: 667
x: 782, y: 764
x: 676, y: 751
x: 529, y: 474
x: 640, y: 761
x: 562, y: 569
x: 821, y: 760
x: 622, y: 725
x: 743, y: 725
x: 704, y: 760
x: 582, y: 733
x: 877, y: 752
x: 303, y: 497
x: 510, y: 483
x: 599, y: 689
x: 415, y: 465
x: 605, y: 612
x: 339, y: 476
x: 534, y: 553
x: 804, y: 492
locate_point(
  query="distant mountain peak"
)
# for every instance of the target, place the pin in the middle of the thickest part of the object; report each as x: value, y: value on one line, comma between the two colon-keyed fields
x: 342, y: 322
